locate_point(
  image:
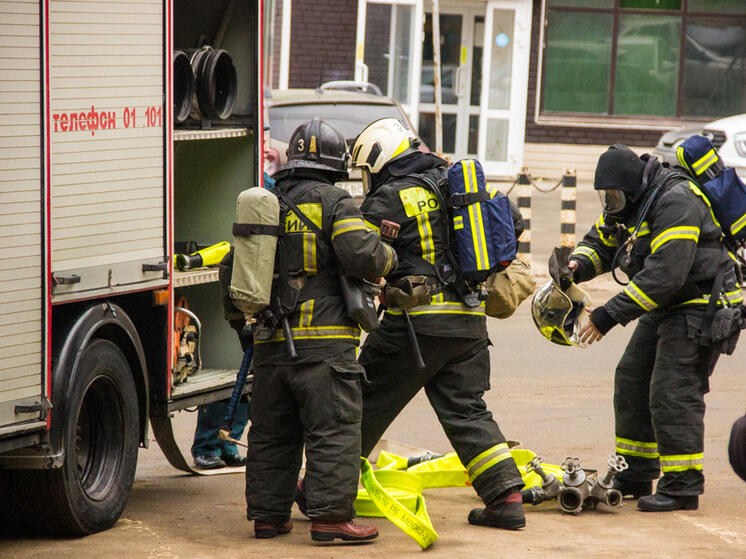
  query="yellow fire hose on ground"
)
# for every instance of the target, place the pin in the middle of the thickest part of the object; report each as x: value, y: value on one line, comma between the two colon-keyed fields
x: 394, y: 490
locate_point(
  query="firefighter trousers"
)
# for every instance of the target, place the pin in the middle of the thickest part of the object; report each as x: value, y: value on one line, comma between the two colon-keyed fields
x: 659, y: 401
x: 319, y: 404
x: 456, y: 375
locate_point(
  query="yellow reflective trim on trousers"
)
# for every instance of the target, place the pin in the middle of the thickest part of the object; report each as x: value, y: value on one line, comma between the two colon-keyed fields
x: 487, y: 459
x: 694, y: 188
x: 426, y: 238
x: 682, y: 462
x: 704, y: 162
x: 608, y: 241
x: 480, y: 236
x: 642, y: 449
x: 416, y: 525
x: 592, y: 255
x: 639, y: 297
x: 306, y: 313
x: 346, y: 225
x: 738, y: 225
x: 316, y: 333
x: 733, y: 297
x: 680, y: 232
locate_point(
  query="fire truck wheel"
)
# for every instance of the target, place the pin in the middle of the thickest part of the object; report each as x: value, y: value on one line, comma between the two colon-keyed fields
x: 89, y: 493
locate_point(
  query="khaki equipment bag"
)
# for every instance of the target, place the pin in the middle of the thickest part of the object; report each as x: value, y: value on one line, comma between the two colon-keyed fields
x: 508, y: 289
x: 255, y: 237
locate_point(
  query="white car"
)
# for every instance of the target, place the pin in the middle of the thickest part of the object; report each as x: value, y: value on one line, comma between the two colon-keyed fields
x: 728, y: 135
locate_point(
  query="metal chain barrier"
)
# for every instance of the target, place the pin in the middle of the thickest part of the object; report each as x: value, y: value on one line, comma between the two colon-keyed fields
x: 568, y: 216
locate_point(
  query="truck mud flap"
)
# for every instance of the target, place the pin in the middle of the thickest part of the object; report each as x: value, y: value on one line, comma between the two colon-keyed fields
x: 164, y: 435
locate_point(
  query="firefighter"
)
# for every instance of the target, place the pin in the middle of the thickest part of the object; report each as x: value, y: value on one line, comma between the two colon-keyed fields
x: 313, y: 398
x: 452, y: 337
x: 674, y: 259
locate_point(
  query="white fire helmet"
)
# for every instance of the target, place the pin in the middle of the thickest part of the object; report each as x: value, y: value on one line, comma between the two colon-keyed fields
x: 380, y: 143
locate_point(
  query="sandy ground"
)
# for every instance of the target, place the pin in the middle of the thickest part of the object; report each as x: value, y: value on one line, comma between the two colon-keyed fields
x: 556, y: 401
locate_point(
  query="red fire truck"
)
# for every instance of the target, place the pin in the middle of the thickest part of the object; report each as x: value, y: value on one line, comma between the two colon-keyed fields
x: 100, y: 185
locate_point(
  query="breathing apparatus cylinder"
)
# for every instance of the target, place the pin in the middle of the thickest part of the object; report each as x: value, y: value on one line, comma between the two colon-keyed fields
x: 255, y: 243
x: 206, y: 257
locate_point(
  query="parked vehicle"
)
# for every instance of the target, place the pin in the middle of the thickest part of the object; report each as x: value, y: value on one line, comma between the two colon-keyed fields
x: 101, y: 336
x: 344, y: 105
x: 728, y: 135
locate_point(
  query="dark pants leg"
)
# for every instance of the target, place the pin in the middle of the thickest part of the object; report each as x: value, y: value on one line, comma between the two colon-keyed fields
x: 316, y: 403
x: 659, y: 398
x: 635, y: 438
x: 455, y: 378
x: 275, y: 443
x: 456, y: 394
x: 330, y: 409
x: 677, y: 403
x: 209, y: 419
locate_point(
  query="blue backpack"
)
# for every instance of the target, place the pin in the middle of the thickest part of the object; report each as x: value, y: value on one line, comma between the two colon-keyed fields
x: 482, y: 233
x: 722, y: 186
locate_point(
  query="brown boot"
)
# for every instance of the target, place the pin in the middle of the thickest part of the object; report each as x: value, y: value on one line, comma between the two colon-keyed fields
x: 348, y: 531
x: 264, y: 529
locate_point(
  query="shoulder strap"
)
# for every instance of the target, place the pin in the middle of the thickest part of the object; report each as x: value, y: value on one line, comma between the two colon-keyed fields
x: 303, y: 217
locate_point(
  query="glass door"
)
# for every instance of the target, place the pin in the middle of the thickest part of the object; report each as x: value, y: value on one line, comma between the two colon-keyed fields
x: 502, y: 122
x: 461, y: 32
x: 389, y: 48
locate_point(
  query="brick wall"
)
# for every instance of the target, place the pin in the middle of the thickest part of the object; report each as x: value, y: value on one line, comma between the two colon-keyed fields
x: 566, y: 134
x: 322, y: 44
x: 276, y: 44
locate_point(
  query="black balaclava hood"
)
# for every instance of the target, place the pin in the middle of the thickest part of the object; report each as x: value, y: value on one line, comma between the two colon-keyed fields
x: 619, y: 168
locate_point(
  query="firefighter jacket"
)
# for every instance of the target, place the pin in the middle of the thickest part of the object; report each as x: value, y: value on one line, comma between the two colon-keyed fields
x: 675, y: 257
x: 420, y: 247
x: 307, y: 271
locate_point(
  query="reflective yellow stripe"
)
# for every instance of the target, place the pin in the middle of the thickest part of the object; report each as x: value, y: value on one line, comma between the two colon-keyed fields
x: 372, y: 226
x: 438, y: 298
x: 426, y: 238
x: 487, y: 459
x: 642, y: 449
x: 475, y: 210
x: 316, y: 333
x: 403, y: 146
x: 458, y: 222
x: 738, y: 225
x: 639, y: 297
x: 644, y: 229
x: 309, y: 252
x: 683, y: 232
x: 704, y: 162
x: 682, y: 462
x: 306, y: 313
x: 733, y: 297
x: 680, y: 156
x: 608, y: 241
x: 346, y: 225
x: 389, y: 260
x: 694, y: 188
x: 441, y: 308
x: 592, y: 255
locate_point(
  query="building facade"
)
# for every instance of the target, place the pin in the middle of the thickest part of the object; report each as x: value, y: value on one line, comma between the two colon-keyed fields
x: 546, y: 84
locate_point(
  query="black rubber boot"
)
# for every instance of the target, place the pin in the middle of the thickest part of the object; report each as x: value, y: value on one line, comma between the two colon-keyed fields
x: 659, y: 502
x: 634, y: 489
x: 506, y: 513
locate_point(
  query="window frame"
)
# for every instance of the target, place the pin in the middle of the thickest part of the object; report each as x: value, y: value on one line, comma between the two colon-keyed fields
x: 609, y: 119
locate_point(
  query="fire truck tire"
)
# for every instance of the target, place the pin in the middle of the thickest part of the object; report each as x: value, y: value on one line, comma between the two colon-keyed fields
x: 89, y: 493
